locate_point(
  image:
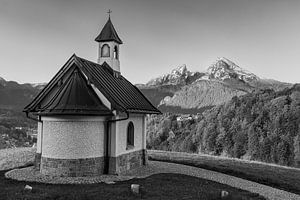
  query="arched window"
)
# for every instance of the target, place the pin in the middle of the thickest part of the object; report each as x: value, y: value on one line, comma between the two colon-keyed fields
x: 130, y: 135
x: 105, y: 50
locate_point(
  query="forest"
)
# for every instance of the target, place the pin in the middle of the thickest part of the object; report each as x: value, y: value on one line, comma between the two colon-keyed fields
x: 263, y: 126
x: 13, y: 129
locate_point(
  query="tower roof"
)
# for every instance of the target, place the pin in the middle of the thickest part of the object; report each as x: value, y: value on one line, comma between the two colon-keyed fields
x: 108, y: 33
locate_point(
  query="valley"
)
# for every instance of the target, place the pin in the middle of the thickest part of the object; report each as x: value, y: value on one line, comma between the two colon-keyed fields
x: 224, y: 110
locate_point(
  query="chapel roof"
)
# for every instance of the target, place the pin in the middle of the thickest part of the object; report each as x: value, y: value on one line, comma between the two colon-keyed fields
x: 74, y: 96
x: 71, y: 90
x: 108, y: 33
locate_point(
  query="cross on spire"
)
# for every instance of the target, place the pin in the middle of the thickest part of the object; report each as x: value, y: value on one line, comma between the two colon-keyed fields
x: 109, y: 11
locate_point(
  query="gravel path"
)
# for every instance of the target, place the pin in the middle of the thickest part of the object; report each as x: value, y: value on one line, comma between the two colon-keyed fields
x: 31, y: 175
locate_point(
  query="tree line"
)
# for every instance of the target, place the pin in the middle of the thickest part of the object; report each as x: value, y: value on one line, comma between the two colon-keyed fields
x: 263, y: 126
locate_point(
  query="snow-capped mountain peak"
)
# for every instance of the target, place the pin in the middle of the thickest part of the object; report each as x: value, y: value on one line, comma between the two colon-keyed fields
x: 223, y: 69
x: 178, y: 76
x: 179, y: 71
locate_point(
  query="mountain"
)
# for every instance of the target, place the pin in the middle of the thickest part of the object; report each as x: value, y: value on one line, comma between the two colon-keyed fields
x: 14, y: 95
x: 180, y: 91
x: 224, y: 69
x: 2, y: 81
x: 202, y: 93
x: 178, y: 76
x: 38, y: 86
x: 227, y: 71
x: 184, y: 91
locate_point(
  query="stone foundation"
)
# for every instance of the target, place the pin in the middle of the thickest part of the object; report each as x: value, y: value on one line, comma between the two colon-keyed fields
x: 127, y: 161
x: 297, y: 163
x: 37, y: 161
x: 72, y: 167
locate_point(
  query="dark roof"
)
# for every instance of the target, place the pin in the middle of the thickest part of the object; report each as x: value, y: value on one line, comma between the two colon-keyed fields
x: 122, y: 95
x: 108, y: 33
x: 73, y: 96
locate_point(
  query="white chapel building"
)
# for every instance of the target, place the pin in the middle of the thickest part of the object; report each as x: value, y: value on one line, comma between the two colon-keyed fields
x: 91, y: 120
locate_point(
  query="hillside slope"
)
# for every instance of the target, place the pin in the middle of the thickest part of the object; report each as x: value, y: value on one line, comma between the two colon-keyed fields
x: 261, y: 126
x: 202, y: 93
x: 14, y: 95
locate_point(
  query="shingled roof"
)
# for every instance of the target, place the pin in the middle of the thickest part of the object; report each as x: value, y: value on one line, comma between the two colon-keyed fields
x: 70, y: 91
x: 108, y: 33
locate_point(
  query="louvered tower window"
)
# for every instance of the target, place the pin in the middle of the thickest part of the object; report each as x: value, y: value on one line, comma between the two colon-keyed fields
x: 116, y: 53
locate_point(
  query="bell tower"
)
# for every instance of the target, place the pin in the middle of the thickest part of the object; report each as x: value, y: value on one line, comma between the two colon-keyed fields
x: 109, y: 42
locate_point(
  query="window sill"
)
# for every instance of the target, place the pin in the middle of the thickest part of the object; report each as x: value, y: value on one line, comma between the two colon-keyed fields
x: 129, y: 147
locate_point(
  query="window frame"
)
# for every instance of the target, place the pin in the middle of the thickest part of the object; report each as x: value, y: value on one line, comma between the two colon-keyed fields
x: 102, y: 48
x: 130, y: 136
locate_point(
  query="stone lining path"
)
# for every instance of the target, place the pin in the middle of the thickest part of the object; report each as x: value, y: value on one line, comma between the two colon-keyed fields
x: 32, y: 175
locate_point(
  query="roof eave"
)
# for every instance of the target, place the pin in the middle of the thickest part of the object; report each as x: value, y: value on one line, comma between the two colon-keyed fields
x: 73, y: 114
x: 108, y: 40
x: 144, y: 111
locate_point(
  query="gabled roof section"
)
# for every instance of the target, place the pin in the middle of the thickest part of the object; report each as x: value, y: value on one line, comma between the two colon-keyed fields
x: 122, y: 95
x: 108, y: 33
x: 74, y: 97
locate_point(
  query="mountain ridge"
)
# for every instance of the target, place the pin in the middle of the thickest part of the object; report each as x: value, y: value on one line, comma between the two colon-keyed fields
x: 179, y: 90
x: 221, y: 81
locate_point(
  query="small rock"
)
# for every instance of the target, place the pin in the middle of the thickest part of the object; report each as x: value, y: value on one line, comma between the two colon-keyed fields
x: 135, y: 188
x: 224, y: 194
x: 28, y: 188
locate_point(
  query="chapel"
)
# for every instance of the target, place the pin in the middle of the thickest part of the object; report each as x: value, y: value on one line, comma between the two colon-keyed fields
x: 91, y: 119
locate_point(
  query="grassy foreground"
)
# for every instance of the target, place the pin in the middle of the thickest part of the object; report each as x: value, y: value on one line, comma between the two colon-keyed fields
x: 280, y: 177
x: 158, y: 186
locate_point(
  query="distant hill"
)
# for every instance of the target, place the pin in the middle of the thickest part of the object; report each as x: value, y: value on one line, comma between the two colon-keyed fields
x: 202, y: 93
x: 263, y: 125
x: 13, y: 123
x: 14, y: 95
x: 183, y: 91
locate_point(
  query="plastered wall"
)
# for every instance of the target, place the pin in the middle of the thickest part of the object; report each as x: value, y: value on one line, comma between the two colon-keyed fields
x: 72, y: 138
x: 39, y: 137
x: 119, y: 135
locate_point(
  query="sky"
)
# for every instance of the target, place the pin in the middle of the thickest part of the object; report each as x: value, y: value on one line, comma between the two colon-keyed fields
x: 262, y: 36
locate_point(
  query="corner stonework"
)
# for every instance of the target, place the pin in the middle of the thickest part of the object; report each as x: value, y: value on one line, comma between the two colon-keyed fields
x: 37, y: 161
x: 127, y: 161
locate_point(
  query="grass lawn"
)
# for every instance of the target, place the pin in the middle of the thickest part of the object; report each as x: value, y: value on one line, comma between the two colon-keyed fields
x: 284, y: 178
x: 158, y: 186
